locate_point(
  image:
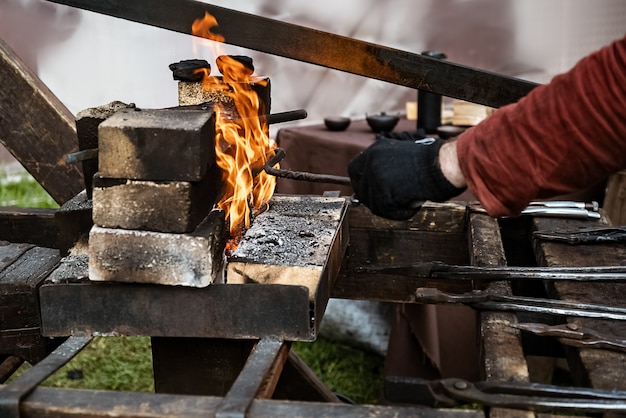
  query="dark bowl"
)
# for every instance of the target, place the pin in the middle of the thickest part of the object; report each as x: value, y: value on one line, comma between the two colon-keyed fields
x: 382, y: 122
x: 337, y: 123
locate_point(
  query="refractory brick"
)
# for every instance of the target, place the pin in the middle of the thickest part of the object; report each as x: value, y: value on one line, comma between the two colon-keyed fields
x: 157, y: 144
x: 161, y: 206
x: 195, y: 259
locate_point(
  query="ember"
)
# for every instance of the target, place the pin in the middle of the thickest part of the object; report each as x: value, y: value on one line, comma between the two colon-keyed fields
x: 241, y: 138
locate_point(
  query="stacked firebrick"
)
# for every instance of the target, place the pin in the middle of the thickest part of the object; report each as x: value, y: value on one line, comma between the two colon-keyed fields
x: 153, y: 199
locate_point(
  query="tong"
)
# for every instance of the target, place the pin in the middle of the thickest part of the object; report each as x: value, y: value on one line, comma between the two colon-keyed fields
x: 574, y: 335
x: 585, y: 235
x: 455, y: 392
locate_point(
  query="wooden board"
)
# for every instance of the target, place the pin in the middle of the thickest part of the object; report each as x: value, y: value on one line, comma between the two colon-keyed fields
x: 37, y: 128
x: 601, y: 369
x: 29, y: 225
x: 436, y: 233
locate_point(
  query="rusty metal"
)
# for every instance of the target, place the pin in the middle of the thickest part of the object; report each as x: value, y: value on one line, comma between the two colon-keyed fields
x: 322, y: 48
x: 279, y: 154
x: 246, y: 311
x: 512, y: 395
x: 574, y: 335
x: 486, y: 301
x: 8, y: 366
x: 12, y: 394
x: 245, y: 389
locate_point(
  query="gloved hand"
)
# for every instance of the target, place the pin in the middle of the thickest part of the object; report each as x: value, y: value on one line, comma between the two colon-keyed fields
x: 393, y: 178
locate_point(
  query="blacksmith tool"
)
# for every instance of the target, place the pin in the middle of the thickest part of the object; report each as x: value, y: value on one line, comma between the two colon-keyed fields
x: 279, y: 154
x: 481, y: 300
x: 574, y: 335
x: 591, y: 235
x: 527, y: 396
x: 439, y: 270
x: 321, y: 48
x: 556, y: 209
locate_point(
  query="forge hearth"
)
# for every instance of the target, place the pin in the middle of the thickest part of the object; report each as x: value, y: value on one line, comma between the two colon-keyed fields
x: 153, y: 196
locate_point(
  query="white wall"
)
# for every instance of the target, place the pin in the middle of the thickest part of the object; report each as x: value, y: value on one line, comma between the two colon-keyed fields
x: 107, y: 59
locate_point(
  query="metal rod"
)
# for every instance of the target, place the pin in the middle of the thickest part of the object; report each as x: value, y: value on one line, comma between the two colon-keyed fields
x: 279, y: 154
x: 321, y: 48
x: 437, y: 270
x: 489, y: 302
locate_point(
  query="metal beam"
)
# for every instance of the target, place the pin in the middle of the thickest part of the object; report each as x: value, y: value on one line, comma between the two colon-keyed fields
x: 321, y: 48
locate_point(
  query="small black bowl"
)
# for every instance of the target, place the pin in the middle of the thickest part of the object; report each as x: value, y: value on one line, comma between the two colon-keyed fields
x: 382, y: 122
x: 337, y: 123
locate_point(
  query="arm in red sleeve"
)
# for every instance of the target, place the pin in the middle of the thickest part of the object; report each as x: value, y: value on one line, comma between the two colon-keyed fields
x: 561, y: 137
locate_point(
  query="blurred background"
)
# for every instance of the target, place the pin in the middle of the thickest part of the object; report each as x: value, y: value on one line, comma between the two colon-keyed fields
x: 88, y: 59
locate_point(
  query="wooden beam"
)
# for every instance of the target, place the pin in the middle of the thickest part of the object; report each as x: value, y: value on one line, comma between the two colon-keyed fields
x: 68, y: 403
x: 503, y: 355
x: 29, y: 225
x: 37, y: 128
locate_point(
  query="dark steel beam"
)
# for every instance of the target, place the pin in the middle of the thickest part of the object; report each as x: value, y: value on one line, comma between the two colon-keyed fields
x: 321, y: 48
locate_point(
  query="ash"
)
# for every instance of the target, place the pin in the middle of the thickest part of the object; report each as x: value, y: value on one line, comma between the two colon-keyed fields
x: 295, y: 231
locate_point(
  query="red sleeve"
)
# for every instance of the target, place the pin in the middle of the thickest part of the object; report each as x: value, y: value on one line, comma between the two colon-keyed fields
x: 561, y: 137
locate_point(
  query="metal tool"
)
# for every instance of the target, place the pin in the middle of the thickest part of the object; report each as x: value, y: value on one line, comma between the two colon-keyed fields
x: 575, y: 335
x: 486, y: 301
x: 556, y: 209
x: 321, y: 48
x: 585, y: 235
x: 279, y: 154
x: 439, y: 270
x: 527, y: 396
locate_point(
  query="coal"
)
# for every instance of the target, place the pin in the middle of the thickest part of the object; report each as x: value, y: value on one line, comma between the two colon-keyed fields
x: 187, y: 70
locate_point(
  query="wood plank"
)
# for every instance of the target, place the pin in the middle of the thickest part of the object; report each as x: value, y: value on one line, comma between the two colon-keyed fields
x: 67, y: 403
x: 503, y: 355
x: 37, y: 128
x: 29, y: 225
x: 600, y: 369
x: 436, y: 232
x: 20, y: 325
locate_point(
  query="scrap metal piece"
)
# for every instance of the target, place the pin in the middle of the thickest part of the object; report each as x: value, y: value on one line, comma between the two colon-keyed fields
x: 321, y: 48
x: 514, y: 395
x: 574, y: 335
x: 12, y: 394
x: 486, y: 301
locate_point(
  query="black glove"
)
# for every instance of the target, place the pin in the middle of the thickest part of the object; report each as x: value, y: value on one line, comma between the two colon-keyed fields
x: 393, y: 178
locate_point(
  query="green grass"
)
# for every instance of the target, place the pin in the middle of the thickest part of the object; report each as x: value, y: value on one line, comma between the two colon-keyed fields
x: 125, y: 363
x: 18, y: 188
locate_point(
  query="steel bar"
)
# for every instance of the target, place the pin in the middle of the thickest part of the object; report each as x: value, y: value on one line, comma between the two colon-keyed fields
x: 437, y: 270
x: 489, y: 302
x: 574, y: 335
x: 267, y: 352
x: 320, y: 48
x: 11, y: 395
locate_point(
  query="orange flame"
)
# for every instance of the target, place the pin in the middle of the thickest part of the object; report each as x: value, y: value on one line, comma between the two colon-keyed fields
x: 241, y: 139
x: 202, y: 27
